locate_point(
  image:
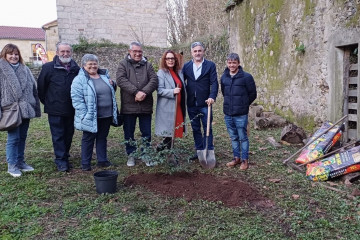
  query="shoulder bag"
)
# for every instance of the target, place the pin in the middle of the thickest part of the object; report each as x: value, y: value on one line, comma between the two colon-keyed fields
x: 11, y: 117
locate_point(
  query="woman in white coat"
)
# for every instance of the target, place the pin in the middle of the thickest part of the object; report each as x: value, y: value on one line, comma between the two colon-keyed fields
x: 171, y: 87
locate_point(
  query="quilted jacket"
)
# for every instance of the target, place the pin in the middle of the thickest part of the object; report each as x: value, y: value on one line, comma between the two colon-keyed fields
x: 84, y: 101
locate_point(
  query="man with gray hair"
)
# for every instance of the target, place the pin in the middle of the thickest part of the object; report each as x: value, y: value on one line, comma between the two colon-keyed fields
x: 54, y: 83
x: 137, y: 81
x: 239, y: 91
x: 201, y: 87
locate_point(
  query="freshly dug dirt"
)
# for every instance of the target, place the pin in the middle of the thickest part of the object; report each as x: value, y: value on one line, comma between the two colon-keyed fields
x: 192, y: 186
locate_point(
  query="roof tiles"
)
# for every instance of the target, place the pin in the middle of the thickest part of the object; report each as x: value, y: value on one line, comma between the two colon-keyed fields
x: 25, y: 33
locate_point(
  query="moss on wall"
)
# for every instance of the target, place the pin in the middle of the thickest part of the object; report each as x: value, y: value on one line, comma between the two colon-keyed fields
x: 309, y: 8
x: 354, y: 19
x: 262, y: 42
x: 268, y: 55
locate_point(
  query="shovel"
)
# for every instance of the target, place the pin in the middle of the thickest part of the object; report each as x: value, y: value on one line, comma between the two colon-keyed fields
x: 172, y: 159
x: 207, y: 157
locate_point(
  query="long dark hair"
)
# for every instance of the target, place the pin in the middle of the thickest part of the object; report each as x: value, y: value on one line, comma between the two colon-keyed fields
x: 10, y: 48
x: 163, y: 65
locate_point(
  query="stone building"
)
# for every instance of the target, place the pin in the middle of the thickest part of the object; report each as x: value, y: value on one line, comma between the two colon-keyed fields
x: 25, y: 38
x: 51, y: 38
x: 303, y: 55
x: 119, y: 21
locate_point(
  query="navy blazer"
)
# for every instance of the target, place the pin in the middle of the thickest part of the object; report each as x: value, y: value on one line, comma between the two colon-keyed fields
x: 206, y: 86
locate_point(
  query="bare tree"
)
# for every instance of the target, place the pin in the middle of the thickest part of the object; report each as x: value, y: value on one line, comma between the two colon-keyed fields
x: 139, y: 34
x: 192, y: 19
x: 177, y: 21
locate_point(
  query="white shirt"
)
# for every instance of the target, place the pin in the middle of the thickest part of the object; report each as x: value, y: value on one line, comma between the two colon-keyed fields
x: 197, y: 69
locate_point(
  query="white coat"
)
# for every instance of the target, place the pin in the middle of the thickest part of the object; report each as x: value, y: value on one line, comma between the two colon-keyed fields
x: 165, y: 106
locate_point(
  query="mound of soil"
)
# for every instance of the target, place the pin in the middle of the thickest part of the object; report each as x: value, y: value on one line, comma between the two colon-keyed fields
x: 192, y: 186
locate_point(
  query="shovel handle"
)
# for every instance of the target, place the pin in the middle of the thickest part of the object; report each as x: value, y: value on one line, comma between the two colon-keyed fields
x: 175, y: 115
x: 208, y: 121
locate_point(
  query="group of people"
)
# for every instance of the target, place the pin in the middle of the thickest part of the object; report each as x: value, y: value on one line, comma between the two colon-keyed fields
x: 84, y: 98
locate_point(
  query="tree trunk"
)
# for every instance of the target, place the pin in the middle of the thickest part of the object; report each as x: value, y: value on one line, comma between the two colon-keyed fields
x: 271, y: 121
x: 293, y: 134
x: 255, y: 111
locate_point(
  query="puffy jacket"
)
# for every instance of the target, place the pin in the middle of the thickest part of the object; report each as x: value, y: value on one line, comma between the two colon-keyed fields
x: 54, y: 84
x: 83, y: 95
x: 206, y: 86
x: 239, y: 92
x: 133, y: 77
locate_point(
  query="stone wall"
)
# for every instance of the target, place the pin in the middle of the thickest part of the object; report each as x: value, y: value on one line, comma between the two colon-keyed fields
x: 35, y: 70
x: 109, y: 57
x: 117, y: 21
x: 298, y: 83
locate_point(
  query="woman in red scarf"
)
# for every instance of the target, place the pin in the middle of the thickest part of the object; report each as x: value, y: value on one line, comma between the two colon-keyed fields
x: 170, y: 107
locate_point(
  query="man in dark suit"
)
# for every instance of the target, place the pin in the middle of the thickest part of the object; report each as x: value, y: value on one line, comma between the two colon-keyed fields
x: 202, y: 88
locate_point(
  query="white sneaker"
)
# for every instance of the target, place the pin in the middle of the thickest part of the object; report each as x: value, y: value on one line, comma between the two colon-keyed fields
x: 13, y: 170
x: 150, y: 163
x: 130, y: 161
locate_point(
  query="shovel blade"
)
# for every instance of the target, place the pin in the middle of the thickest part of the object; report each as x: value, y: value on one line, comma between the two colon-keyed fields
x: 206, y: 158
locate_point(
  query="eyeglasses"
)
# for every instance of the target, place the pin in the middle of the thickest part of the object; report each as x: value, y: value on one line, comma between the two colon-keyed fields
x: 170, y: 59
x: 91, y: 64
x: 137, y: 51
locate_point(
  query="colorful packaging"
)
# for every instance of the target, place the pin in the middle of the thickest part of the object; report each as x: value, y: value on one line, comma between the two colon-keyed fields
x: 335, y: 165
x: 322, y: 145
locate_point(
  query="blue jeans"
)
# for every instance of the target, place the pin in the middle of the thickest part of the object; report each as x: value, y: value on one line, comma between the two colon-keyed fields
x: 15, y: 145
x: 88, y: 139
x: 129, y: 129
x: 237, y: 129
x: 62, y: 131
x: 196, y: 120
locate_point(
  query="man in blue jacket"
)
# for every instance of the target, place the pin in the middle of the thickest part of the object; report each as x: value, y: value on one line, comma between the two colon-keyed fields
x: 202, y: 88
x: 239, y: 91
x: 54, y: 83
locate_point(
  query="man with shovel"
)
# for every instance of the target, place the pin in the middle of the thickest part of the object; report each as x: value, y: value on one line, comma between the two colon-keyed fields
x: 201, y: 88
x: 239, y: 91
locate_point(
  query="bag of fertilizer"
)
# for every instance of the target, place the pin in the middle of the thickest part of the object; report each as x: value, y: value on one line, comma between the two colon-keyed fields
x: 322, y: 145
x: 335, y: 165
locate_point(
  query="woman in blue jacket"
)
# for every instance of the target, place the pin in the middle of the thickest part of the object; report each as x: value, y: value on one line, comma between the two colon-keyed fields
x: 93, y: 97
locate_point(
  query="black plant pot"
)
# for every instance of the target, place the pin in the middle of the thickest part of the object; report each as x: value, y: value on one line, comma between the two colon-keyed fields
x: 105, y: 181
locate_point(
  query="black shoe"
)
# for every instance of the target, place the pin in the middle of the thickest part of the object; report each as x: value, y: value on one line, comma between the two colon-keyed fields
x: 160, y: 147
x: 193, y: 158
x: 63, y: 169
x: 86, y: 167
x: 104, y: 164
x: 70, y: 166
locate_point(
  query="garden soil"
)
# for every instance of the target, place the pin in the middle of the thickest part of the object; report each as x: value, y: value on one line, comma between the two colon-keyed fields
x: 195, y: 186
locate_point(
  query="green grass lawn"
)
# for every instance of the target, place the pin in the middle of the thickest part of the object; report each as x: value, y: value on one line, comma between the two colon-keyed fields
x: 46, y: 204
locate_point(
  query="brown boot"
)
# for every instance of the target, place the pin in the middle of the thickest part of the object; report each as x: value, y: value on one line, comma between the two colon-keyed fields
x: 244, y: 164
x: 234, y: 162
